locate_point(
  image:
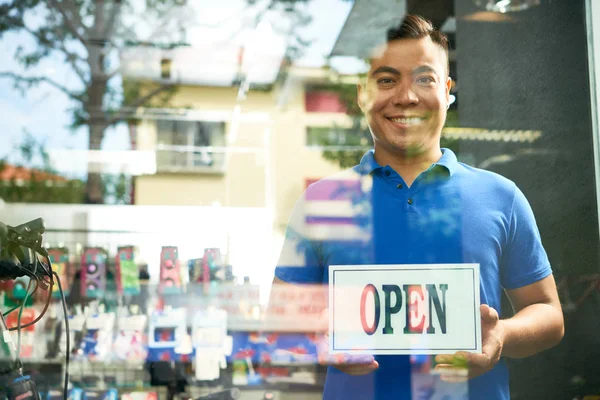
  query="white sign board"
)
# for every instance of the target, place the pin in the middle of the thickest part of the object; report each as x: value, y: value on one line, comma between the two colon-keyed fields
x: 404, y: 309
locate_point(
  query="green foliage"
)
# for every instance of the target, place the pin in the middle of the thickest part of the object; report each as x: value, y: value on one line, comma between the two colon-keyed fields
x: 115, y: 188
x: 70, y: 192
x: 38, y: 189
x: 42, y: 188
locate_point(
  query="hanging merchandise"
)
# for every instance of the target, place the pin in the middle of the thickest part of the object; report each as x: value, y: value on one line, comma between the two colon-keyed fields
x: 53, y: 331
x: 93, y: 272
x: 15, y: 291
x: 210, y: 268
x: 211, y: 343
x: 131, y: 342
x: 98, y: 337
x: 170, y: 271
x: 167, y: 330
x: 128, y: 281
x: 76, y: 332
x: 59, y: 256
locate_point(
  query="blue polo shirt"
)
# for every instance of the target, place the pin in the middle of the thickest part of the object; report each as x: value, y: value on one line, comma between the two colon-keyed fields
x: 452, y: 213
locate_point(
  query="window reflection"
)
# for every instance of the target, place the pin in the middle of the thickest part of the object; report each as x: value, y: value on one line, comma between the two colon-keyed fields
x: 172, y: 139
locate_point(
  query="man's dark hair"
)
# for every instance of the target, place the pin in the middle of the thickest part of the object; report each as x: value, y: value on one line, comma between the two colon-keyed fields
x: 416, y: 27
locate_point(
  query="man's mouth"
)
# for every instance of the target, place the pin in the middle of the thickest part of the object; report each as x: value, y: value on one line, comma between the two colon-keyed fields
x: 407, y: 120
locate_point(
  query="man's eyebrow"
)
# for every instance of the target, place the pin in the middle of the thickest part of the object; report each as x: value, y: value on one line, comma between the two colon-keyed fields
x: 385, y: 69
x: 424, y: 68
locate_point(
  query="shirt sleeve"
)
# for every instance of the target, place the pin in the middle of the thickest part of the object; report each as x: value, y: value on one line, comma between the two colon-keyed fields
x: 524, y: 259
x: 300, y: 260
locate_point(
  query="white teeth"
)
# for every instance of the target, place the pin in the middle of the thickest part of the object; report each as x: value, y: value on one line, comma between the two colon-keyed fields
x: 407, y: 121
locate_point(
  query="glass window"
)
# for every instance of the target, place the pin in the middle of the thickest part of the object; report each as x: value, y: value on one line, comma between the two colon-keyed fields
x: 189, y: 146
x: 233, y: 190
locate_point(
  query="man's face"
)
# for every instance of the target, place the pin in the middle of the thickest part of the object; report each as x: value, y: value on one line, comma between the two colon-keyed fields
x: 406, y: 96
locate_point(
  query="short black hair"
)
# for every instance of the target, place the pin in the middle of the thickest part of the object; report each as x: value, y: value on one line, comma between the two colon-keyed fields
x: 414, y: 26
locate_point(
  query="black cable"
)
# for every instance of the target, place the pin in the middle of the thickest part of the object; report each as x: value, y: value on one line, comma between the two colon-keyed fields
x: 64, y: 304
x: 30, y: 274
x: 4, y: 314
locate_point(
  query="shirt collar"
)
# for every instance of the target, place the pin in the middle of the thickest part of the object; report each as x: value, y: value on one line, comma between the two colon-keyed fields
x: 448, y: 160
x: 368, y: 164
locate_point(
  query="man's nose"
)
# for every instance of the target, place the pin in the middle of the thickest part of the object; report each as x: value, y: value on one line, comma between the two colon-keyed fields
x: 405, y: 95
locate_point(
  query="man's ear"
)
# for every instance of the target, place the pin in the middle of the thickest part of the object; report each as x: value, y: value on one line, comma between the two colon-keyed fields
x: 361, y: 96
x: 448, y: 87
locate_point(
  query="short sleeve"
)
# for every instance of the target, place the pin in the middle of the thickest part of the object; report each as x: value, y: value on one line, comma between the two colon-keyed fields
x: 524, y: 259
x: 299, y: 260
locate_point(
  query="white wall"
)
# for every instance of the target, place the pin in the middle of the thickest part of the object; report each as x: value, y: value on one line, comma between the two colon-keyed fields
x: 244, y: 233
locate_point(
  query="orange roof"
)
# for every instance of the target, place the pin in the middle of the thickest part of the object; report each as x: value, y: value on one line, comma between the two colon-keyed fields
x: 26, y: 174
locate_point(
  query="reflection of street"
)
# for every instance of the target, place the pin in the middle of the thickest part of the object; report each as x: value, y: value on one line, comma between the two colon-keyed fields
x: 585, y: 285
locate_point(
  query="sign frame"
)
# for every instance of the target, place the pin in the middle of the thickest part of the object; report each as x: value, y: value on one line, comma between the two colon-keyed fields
x: 335, y: 271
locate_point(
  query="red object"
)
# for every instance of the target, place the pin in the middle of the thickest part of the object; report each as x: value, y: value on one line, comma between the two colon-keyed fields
x: 244, y: 354
x: 28, y: 174
x: 265, y: 357
x: 12, y: 320
x: 323, y: 101
x: 170, y: 273
x: 298, y: 350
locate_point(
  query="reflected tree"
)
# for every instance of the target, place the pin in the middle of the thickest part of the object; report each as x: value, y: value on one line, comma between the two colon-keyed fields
x: 87, y: 36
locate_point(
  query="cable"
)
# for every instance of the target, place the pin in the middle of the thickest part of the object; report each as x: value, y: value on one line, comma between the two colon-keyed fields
x: 11, y: 310
x: 17, y: 357
x: 51, y: 285
x: 27, y: 294
x: 40, y: 316
x: 68, y: 334
x: 4, y: 314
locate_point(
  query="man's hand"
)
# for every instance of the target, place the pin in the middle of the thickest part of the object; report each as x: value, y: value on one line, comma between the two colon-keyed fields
x: 350, y: 364
x: 464, y: 365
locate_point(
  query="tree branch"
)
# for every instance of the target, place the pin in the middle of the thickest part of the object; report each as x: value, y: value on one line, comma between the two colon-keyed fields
x: 68, y: 22
x: 138, y: 103
x: 72, y: 59
x: 59, y: 45
x: 33, y: 80
x: 112, y: 19
x: 112, y: 74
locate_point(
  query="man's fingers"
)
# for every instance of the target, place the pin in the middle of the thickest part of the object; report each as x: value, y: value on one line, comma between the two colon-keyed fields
x: 358, y: 369
x: 488, y: 314
x: 452, y: 373
x: 481, y: 360
x: 460, y: 359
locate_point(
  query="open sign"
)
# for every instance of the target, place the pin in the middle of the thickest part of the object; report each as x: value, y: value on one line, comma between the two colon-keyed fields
x: 404, y: 309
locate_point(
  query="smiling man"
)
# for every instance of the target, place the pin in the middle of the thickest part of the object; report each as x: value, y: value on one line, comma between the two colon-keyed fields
x: 406, y: 96
x: 416, y: 204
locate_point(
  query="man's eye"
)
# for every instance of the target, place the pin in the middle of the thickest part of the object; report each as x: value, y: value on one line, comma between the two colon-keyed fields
x: 385, y: 81
x: 425, y: 79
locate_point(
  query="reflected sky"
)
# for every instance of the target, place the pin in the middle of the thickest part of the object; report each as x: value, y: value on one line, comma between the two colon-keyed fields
x: 43, y: 111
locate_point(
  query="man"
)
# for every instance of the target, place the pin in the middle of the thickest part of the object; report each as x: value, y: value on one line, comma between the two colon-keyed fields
x: 424, y: 207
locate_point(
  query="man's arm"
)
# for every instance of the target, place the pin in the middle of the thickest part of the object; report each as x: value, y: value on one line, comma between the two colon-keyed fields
x: 536, y: 326
x: 538, y: 321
